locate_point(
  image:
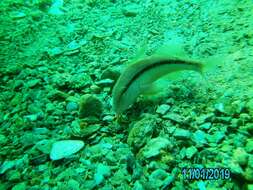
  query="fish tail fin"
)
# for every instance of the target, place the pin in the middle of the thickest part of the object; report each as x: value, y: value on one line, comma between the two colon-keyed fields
x: 212, y: 63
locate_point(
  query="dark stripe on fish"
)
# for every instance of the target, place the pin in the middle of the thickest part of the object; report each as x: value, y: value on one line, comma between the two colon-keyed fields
x: 153, y: 65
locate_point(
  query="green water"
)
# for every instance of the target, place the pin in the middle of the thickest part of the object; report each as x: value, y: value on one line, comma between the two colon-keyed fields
x: 59, y: 61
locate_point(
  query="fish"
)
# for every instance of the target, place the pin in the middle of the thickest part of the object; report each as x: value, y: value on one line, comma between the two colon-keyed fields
x: 139, y: 76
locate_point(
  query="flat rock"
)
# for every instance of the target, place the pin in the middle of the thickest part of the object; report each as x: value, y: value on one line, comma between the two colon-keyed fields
x: 182, y: 134
x: 163, y: 109
x: 65, y: 148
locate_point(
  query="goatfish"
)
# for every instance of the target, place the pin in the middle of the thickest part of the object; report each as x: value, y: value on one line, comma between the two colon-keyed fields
x: 140, y: 75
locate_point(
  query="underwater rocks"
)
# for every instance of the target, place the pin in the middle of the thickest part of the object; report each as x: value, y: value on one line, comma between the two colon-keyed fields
x: 102, y: 171
x: 182, y: 134
x: 90, y: 105
x: 154, y: 148
x: 65, y: 148
x: 131, y: 10
x: 141, y: 132
x: 163, y: 109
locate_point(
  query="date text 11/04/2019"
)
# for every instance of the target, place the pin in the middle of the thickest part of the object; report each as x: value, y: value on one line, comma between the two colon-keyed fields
x: 206, y: 173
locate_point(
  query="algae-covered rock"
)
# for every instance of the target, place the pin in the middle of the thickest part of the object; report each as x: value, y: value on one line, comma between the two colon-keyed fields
x: 249, y: 146
x: 154, y: 147
x: 90, y: 105
x: 248, y: 174
x: 141, y: 132
x: 182, y: 134
x: 163, y: 109
x: 240, y: 156
x: 191, y: 151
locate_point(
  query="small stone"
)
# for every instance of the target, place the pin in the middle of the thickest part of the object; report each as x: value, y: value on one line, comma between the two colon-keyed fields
x: 205, y: 126
x: 250, y: 186
x: 154, y: 147
x: 3, y: 139
x: 89, y: 130
x: 249, y: 146
x: 90, y: 105
x: 199, y: 137
x: 216, y: 137
x: 108, y: 118
x: 182, y: 134
x: 19, y: 186
x: 101, y: 172
x: 95, y: 89
x: 73, y: 46
x: 238, y: 106
x: 235, y: 168
x: 31, y: 117
x: 240, y: 156
x: 55, y: 51
x: 173, y: 117
x: 219, y: 107
x: 163, y: 109
x: 65, y: 148
x: 131, y: 10
x: 13, y: 175
x: 160, y: 179
x: 248, y: 174
x: 191, y: 151
x: 250, y: 162
x: 138, y: 186
x: 73, y: 185
x: 203, y: 118
x: 111, y: 73
x: 72, y: 106
x: 33, y: 83
x: 44, y: 146
x: 141, y: 132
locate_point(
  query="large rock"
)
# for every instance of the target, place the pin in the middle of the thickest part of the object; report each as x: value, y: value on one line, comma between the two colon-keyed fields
x: 65, y: 148
x: 90, y: 105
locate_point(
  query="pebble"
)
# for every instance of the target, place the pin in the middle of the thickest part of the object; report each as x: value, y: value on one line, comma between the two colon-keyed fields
x: 203, y: 118
x: 65, y: 148
x: 199, y: 137
x: 219, y: 107
x: 154, y: 147
x: 250, y: 162
x: 55, y: 51
x: 160, y: 179
x: 44, y: 146
x: 19, y: 186
x: 249, y: 146
x: 102, y: 171
x: 73, y: 185
x: 216, y: 137
x: 141, y: 132
x: 131, y: 10
x: 3, y: 139
x: 191, y: 151
x: 182, y: 134
x: 248, y: 174
x: 163, y: 109
x: 33, y: 83
x: 90, y: 105
x: 72, y: 106
x: 240, y: 156
x: 13, y: 175
x: 173, y: 117
x: 205, y: 126
x: 89, y: 130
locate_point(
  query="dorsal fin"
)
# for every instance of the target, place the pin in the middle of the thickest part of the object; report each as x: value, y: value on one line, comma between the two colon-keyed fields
x: 141, y: 53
